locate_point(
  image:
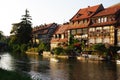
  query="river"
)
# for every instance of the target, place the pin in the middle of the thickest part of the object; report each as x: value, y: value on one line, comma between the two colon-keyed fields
x: 40, y: 68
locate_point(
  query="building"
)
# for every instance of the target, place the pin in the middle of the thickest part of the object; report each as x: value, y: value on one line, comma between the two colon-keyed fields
x: 81, y: 21
x: 44, y: 33
x: 93, y: 24
x: 60, y: 37
x: 96, y: 24
x: 105, y: 26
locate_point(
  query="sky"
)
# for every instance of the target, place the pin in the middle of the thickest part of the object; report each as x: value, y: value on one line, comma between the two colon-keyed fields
x: 43, y: 11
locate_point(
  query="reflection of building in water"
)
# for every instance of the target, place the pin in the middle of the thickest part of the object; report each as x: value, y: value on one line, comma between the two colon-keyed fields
x: 38, y: 64
x: 118, y: 72
x: 58, y: 71
x: 92, y: 71
x: 34, y: 62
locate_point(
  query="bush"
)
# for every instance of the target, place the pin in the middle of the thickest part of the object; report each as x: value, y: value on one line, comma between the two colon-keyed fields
x: 69, y: 49
x: 16, y: 48
x: 43, y: 47
x: 33, y: 50
x: 23, y: 48
x: 58, y: 50
x: 100, y: 48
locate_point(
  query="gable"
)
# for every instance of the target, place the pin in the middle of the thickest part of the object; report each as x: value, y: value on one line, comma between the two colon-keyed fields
x: 86, y: 12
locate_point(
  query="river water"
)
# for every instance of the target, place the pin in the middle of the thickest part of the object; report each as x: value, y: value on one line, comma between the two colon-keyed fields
x: 40, y: 68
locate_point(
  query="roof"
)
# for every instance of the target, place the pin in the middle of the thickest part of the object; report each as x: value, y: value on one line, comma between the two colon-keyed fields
x: 41, y: 27
x: 108, y: 11
x: 86, y: 12
x: 43, y: 31
x: 62, y: 28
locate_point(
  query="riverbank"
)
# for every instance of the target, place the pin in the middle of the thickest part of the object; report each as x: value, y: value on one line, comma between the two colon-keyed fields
x: 12, y: 75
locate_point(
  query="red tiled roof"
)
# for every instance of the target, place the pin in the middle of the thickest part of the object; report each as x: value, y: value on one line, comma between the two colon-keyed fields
x: 37, y: 28
x: 108, y: 11
x: 84, y: 13
x: 59, y: 40
x: 61, y: 29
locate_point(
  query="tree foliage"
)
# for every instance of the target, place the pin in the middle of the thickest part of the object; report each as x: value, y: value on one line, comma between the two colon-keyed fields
x: 23, y: 30
x: 21, y: 33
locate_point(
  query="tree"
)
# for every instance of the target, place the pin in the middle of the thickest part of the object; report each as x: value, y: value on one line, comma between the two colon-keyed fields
x: 23, y: 29
x: 1, y: 35
x: 21, y: 34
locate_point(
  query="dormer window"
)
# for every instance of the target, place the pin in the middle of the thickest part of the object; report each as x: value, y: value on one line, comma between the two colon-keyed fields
x: 89, y: 12
x: 78, y: 15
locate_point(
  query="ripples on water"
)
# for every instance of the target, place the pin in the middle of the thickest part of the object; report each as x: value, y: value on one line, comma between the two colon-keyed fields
x: 42, y: 69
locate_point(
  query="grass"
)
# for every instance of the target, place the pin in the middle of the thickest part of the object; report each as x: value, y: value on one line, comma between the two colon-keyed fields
x: 12, y: 75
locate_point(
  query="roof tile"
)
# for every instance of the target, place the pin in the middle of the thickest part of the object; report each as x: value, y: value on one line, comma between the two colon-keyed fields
x: 85, y: 12
x: 108, y: 11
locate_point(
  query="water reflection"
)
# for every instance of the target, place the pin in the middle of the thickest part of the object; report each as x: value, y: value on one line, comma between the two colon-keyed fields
x: 41, y: 68
x: 6, y: 62
x: 92, y: 71
x: 118, y: 72
x: 58, y: 71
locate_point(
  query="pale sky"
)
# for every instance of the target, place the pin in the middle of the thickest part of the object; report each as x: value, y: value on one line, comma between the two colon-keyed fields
x: 43, y: 11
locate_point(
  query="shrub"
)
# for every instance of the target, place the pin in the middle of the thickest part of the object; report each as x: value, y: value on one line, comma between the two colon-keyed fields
x: 33, y: 50
x: 58, y: 50
x: 23, y: 48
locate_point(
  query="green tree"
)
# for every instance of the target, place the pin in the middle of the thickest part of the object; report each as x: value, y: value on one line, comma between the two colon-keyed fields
x: 23, y: 30
x: 21, y: 34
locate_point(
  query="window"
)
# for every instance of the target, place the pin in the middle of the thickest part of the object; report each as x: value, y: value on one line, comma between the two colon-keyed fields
x: 73, y: 32
x: 54, y: 36
x: 113, y: 18
x: 118, y: 35
x: 81, y: 22
x: 99, y: 20
x: 91, y: 29
x: 99, y: 40
x: 102, y: 20
x: 79, y: 15
x: 106, y: 29
x: 62, y: 36
x: 99, y: 28
x: 91, y: 40
x: 79, y: 31
x: 59, y: 35
x: 106, y: 40
x: 105, y: 19
x: 93, y: 21
x: 89, y: 13
x: 85, y: 21
x: 84, y: 31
